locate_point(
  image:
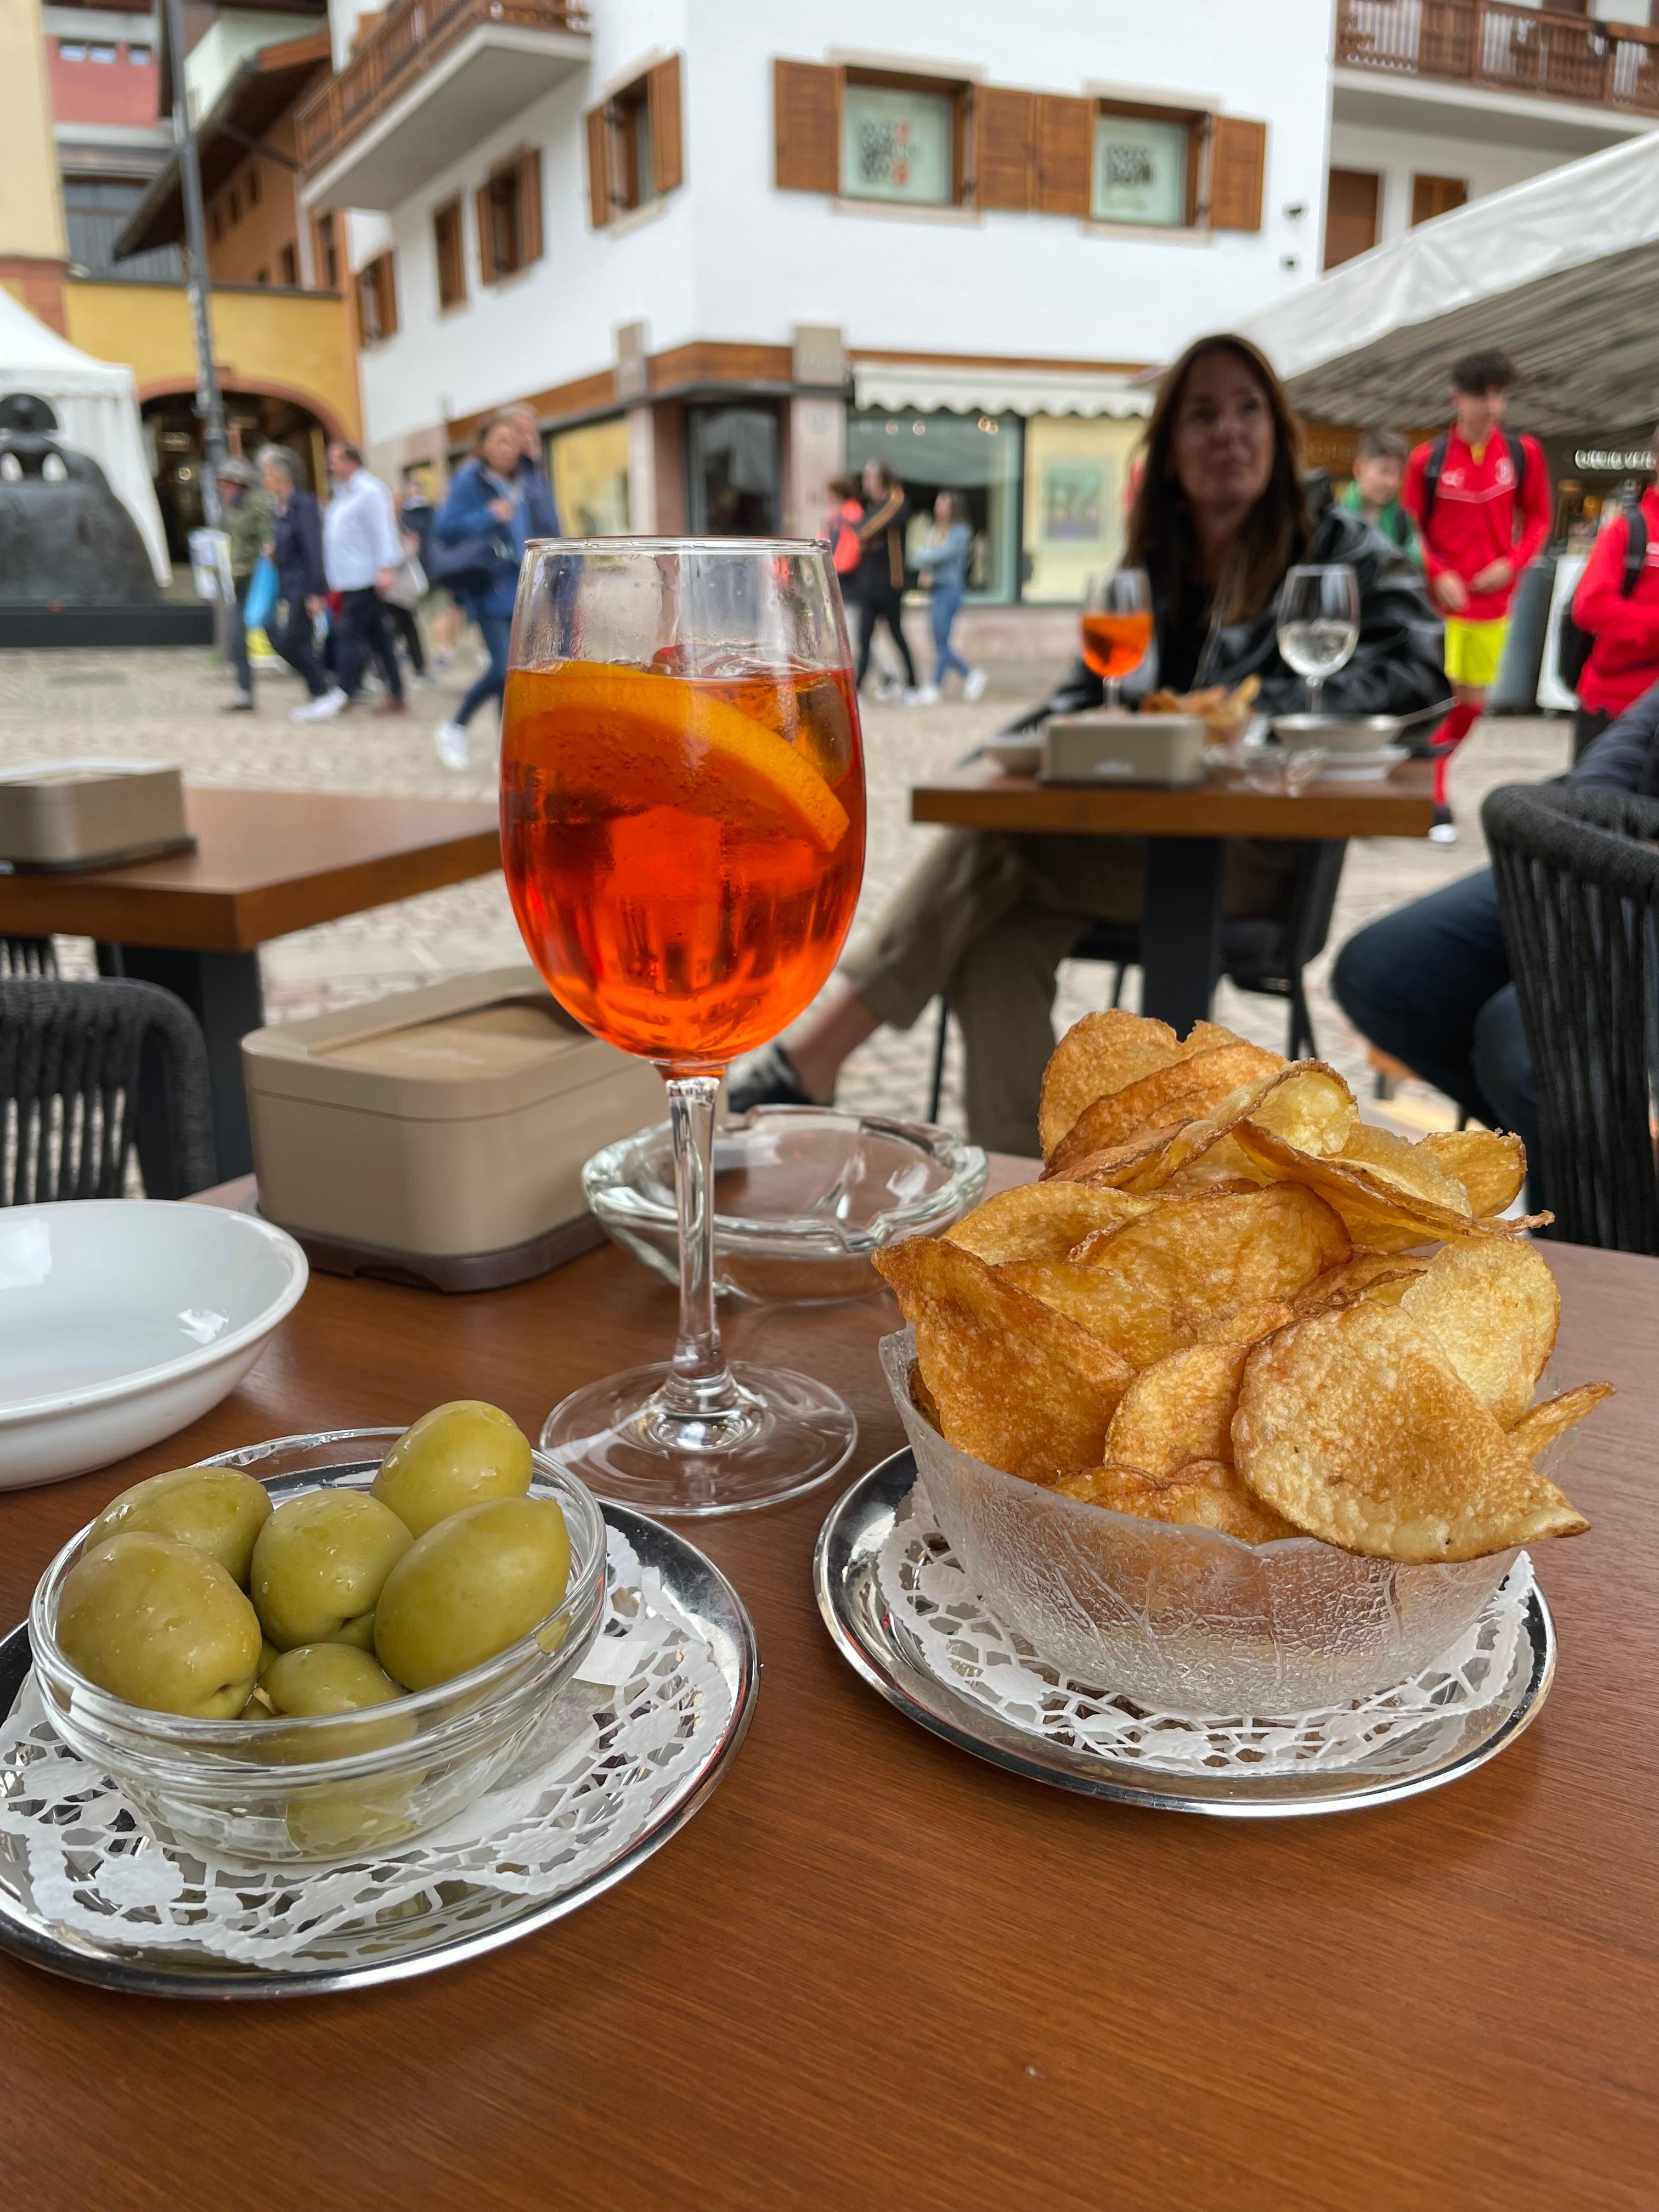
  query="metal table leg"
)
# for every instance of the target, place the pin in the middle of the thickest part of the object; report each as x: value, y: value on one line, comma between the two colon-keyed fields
x: 221, y: 989
x: 1181, y: 928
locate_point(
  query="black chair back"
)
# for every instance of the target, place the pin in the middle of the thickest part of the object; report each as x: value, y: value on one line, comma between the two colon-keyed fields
x: 1577, y: 881
x: 90, y: 1071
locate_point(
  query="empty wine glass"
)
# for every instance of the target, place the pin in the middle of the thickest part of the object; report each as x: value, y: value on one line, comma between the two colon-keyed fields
x: 1319, y: 623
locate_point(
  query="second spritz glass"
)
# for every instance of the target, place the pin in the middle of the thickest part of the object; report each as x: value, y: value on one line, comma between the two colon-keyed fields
x: 683, y: 834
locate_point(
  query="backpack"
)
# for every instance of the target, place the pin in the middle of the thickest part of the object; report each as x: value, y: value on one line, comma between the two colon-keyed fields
x: 1573, y: 642
x: 844, y: 539
x: 1514, y: 447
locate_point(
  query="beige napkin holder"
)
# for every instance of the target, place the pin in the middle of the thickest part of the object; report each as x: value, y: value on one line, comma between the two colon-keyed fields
x: 1103, y: 749
x: 59, y: 816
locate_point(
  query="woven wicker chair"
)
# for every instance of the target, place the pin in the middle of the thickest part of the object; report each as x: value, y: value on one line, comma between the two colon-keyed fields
x: 27, y: 955
x: 1577, y: 882
x: 90, y: 1072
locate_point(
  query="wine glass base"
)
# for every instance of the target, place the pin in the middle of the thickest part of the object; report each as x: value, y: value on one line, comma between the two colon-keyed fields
x: 784, y: 1434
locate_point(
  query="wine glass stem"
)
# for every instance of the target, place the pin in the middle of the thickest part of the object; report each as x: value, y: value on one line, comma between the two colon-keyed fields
x: 699, y: 1383
x: 1113, y: 685
x: 1315, y: 693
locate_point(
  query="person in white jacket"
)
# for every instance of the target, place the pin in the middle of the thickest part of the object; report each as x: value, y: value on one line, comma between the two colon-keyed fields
x: 362, y: 549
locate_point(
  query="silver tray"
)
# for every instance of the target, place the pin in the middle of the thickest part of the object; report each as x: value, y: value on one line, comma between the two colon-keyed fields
x: 702, y: 1595
x: 856, y: 1615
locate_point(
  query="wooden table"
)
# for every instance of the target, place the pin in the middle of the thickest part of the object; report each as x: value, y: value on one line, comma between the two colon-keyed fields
x: 876, y: 1973
x: 1180, y: 926
x: 266, y: 863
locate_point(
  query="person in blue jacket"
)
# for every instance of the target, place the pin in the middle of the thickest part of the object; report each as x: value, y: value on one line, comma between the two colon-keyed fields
x: 499, y: 500
x: 297, y: 553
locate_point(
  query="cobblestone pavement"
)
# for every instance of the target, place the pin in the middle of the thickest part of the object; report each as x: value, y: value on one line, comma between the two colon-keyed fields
x: 166, y: 705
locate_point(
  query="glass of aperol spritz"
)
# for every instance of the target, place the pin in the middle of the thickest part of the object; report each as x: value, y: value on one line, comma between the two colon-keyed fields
x: 683, y: 834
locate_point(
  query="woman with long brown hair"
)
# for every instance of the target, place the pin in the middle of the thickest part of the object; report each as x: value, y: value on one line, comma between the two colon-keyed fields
x: 1221, y: 513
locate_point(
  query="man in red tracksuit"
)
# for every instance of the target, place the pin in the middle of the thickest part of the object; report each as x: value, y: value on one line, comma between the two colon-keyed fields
x: 1480, y: 499
x: 1620, y: 610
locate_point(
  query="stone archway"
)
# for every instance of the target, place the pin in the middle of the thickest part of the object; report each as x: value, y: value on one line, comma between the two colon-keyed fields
x: 271, y: 415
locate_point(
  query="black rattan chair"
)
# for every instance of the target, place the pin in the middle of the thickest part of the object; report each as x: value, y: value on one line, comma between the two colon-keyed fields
x: 1577, y: 881
x: 27, y: 955
x: 1263, y: 956
x: 91, y: 1073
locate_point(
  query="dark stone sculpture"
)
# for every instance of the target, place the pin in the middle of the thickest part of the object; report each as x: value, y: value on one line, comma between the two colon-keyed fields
x: 65, y: 536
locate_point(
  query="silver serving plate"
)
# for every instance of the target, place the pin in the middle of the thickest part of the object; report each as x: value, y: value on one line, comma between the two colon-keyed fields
x: 856, y: 1615
x: 421, y: 1946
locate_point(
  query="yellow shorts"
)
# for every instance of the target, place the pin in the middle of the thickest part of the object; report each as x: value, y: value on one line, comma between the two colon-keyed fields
x: 1473, y: 650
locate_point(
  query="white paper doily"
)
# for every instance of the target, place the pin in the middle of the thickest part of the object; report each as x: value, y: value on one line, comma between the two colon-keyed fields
x: 955, y: 1637
x: 649, y: 1703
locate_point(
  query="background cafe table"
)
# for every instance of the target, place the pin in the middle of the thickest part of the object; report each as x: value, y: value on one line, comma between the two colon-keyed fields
x: 876, y: 1972
x: 266, y: 863
x: 1185, y: 829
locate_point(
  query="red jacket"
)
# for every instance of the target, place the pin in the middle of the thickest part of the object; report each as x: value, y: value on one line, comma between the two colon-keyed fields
x: 1624, y: 658
x: 1474, y: 520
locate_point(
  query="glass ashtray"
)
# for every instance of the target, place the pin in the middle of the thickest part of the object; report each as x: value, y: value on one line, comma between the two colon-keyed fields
x: 804, y: 1197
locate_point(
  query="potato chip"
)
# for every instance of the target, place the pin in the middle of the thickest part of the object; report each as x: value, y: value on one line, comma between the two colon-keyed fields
x: 1383, y: 1275
x: 1379, y: 1215
x: 1149, y: 1287
x: 1245, y: 1324
x: 1100, y: 1054
x: 1407, y: 1166
x: 1310, y: 1107
x: 1186, y: 1088
x: 1017, y: 1384
x: 1493, y: 1308
x: 1205, y: 1495
x: 1540, y: 1426
x: 1042, y: 1220
x: 1179, y: 1410
x: 1354, y: 1427
x: 1490, y: 1167
x: 1308, y: 1102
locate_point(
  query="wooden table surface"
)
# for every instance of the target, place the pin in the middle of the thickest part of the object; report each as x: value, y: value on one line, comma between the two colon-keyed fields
x: 266, y: 862
x: 979, y: 796
x: 876, y: 1973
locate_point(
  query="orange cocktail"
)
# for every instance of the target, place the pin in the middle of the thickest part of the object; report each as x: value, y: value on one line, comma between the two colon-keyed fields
x: 1113, y: 644
x: 683, y: 852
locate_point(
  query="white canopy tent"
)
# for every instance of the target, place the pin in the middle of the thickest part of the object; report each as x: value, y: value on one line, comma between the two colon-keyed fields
x: 1561, y: 271
x: 97, y: 404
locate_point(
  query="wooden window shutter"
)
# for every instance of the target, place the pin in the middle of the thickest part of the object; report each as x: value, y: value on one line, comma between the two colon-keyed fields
x: 1064, y: 132
x: 1239, y: 163
x: 386, y: 284
x: 599, y: 165
x: 806, y: 127
x: 663, y: 100
x: 530, y: 206
x: 487, y: 271
x: 1005, y: 135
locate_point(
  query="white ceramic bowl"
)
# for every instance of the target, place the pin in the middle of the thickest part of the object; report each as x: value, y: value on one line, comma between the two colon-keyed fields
x: 123, y: 1320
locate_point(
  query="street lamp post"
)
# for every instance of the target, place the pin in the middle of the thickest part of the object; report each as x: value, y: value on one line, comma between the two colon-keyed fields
x: 209, y: 401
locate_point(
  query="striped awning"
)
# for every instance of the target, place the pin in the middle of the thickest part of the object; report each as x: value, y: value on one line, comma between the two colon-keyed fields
x: 923, y: 388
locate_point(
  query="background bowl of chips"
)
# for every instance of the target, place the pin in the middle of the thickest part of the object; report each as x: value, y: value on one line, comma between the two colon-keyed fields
x: 1183, y: 1619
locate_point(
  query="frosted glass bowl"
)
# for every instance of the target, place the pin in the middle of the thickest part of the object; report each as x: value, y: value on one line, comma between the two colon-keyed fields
x: 1185, y: 1620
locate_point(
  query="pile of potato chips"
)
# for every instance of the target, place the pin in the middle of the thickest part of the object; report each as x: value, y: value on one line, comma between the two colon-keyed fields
x: 1217, y: 1308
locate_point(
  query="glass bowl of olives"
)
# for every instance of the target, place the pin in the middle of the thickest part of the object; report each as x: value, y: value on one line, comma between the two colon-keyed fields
x: 322, y: 1647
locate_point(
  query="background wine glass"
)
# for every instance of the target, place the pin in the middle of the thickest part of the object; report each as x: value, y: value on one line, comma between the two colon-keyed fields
x: 683, y: 835
x: 1318, y: 623
x: 1116, y: 626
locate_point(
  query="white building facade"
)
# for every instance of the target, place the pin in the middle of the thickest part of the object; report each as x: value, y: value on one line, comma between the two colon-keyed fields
x: 726, y: 249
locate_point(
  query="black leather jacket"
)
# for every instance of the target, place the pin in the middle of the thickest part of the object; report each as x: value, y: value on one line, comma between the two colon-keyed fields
x: 1397, y: 666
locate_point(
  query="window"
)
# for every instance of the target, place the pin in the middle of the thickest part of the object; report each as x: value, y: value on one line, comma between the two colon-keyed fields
x: 589, y: 471
x: 218, y: 223
x: 899, y: 142
x: 262, y: 276
x: 1143, y: 169
x: 254, y: 188
x: 975, y: 456
x: 1352, y: 200
x: 1433, y: 196
x: 633, y: 147
x: 72, y: 50
x: 102, y: 51
x: 141, y: 57
x: 732, y: 456
x: 1077, y: 470
x: 328, y: 252
x: 510, y: 218
x: 377, y: 300
x: 96, y: 209
x: 449, y: 251
x: 234, y: 207
x: 291, y: 266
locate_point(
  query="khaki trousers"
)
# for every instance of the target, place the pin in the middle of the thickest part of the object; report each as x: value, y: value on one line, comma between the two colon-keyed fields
x: 986, y: 921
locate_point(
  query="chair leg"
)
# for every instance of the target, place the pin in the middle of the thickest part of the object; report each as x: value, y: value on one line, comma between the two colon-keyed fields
x: 1118, y: 972
x: 940, y: 1043
x: 1301, y: 1027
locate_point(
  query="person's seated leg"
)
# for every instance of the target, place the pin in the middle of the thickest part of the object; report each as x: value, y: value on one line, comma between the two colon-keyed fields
x: 1503, y: 1071
x: 1414, y: 982
x: 1002, y: 995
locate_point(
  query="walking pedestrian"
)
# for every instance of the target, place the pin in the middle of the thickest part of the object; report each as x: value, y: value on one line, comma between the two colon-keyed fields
x: 478, y: 541
x: 943, y: 562
x: 1618, y: 603
x: 248, y: 526
x: 360, y: 553
x: 879, y: 577
x: 296, y: 551
x: 1480, y: 499
x: 1379, y: 470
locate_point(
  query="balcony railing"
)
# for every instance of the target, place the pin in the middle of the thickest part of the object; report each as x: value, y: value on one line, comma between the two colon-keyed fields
x: 1504, y: 48
x: 394, y: 57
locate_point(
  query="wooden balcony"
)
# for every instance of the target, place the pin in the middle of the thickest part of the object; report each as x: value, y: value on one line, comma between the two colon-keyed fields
x: 429, y: 81
x: 1502, y: 47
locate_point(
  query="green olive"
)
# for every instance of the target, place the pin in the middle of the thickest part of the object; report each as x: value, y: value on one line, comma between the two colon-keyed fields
x: 268, y: 1651
x: 470, y: 1587
x: 327, y: 1678
x: 160, y: 1624
x: 319, y: 1562
x: 216, y: 1509
x: 454, y: 1456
